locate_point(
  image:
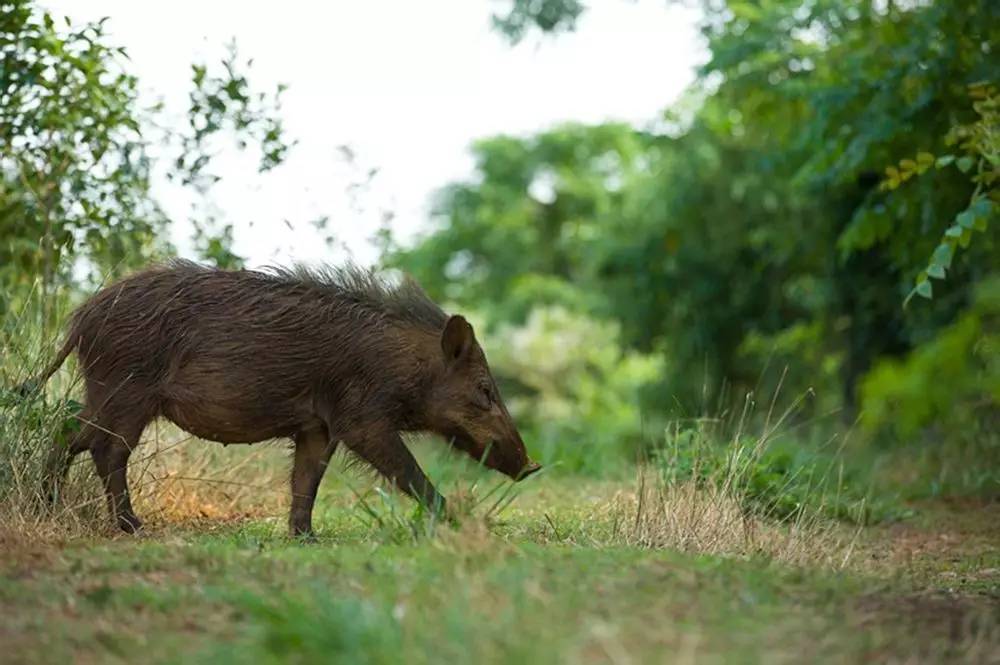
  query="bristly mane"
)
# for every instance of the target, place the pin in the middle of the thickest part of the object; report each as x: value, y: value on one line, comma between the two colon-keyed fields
x: 405, y: 301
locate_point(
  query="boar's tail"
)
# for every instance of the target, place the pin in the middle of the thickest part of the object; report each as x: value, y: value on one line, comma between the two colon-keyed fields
x: 33, y: 385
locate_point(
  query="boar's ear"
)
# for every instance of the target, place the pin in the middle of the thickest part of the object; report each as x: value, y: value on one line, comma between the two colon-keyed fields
x: 457, y: 338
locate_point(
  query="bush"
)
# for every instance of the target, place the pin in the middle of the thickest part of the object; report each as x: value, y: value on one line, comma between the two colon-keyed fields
x: 951, y: 380
x: 572, y: 389
x: 30, y: 426
x: 775, y: 477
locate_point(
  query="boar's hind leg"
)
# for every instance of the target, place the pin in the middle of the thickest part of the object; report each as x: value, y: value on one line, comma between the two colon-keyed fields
x: 391, y: 458
x: 111, y: 448
x: 313, y: 449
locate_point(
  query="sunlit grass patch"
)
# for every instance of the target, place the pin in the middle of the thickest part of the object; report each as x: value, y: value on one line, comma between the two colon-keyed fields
x: 178, y: 479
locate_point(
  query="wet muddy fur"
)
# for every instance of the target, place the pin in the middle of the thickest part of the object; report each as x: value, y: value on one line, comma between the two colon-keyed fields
x: 320, y: 356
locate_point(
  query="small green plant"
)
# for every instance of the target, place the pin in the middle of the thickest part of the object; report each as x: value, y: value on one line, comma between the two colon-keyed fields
x: 393, y: 518
x: 771, y: 476
x: 31, y: 427
x: 34, y: 423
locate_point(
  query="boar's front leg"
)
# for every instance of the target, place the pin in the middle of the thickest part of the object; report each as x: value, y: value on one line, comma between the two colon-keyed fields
x: 391, y: 458
x: 313, y: 449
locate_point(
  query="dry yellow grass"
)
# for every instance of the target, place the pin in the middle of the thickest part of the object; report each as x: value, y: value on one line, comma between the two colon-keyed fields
x: 710, y: 519
x: 176, y: 478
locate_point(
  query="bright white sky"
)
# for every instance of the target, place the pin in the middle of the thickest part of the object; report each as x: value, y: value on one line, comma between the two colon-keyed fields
x: 407, y: 85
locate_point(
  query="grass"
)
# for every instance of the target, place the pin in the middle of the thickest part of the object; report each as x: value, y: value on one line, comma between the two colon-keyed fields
x: 721, y: 547
x: 572, y: 570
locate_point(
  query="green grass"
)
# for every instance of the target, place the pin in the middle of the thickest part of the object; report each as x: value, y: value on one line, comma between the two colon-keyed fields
x: 547, y: 581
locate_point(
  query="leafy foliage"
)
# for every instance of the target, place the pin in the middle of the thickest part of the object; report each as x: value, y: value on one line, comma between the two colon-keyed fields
x: 979, y: 146
x: 77, y: 152
x: 959, y: 366
x: 547, y: 15
x: 574, y: 393
x: 223, y: 102
x: 744, y: 237
x: 74, y: 167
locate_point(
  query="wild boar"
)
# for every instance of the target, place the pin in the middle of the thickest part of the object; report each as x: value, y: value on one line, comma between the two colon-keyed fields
x: 317, y: 355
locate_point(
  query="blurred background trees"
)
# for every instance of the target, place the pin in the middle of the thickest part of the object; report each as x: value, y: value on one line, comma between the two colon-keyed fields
x: 833, y: 158
x: 835, y: 161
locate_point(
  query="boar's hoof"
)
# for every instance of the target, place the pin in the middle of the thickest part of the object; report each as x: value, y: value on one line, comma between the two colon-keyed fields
x: 129, y: 524
x: 302, y: 531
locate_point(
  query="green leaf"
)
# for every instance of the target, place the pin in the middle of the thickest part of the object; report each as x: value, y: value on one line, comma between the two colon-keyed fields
x: 966, y: 219
x: 965, y: 164
x: 965, y: 238
x: 924, y: 289
x: 945, y: 160
x: 943, y: 255
x: 954, y: 231
x: 893, y: 178
x: 981, y: 207
x: 936, y: 271
x: 925, y: 160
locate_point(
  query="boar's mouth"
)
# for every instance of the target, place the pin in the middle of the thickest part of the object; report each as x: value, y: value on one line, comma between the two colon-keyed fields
x: 495, y: 456
x: 530, y: 469
x: 515, y: 464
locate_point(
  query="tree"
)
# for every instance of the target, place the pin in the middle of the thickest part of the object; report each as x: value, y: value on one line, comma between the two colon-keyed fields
x: 77, y: 157
x: 758, y: 229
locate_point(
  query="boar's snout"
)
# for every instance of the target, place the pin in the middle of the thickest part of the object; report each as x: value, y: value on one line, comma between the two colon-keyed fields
x: 531, y: 468
x: 512, y: 459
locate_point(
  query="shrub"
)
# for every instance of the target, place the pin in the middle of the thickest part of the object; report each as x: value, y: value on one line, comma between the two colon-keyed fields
x: 573, y: 390
x: 771, y: 476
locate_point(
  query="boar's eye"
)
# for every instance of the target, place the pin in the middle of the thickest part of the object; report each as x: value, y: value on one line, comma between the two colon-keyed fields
x: 484, y: 398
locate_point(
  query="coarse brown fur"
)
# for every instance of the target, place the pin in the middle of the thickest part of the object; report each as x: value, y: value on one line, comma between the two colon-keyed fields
x: 320, y: 356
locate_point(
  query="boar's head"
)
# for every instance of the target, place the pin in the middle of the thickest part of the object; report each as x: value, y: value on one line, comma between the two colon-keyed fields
x: 465, y: 405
